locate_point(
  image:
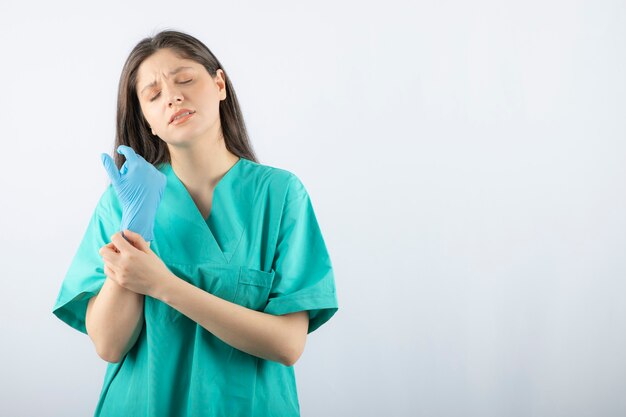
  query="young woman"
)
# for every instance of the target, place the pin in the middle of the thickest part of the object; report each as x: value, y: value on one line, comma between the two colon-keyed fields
x: 201, y: 271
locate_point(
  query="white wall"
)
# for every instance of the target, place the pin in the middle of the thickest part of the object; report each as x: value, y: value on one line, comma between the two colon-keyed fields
x: 466, y: 161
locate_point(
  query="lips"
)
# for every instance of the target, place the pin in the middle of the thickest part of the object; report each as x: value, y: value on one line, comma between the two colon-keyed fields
x: 178, y: 113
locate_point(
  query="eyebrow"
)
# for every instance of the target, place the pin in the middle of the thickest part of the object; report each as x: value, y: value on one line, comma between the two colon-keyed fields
x: 175, y: 71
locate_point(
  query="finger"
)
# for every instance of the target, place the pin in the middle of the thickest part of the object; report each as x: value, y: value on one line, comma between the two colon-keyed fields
x: 124, y: 168
x: 108, y: 254
x: 109, y: 272
x: 105, y: 249
x: 136, y: 239
x: 108, y: 257
x: 128, y: 152
x: 111, y: 245
x: 110, y: 167
x: 120, y: 242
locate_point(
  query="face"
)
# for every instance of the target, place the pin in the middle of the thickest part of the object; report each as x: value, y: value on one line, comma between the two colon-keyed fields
x: 167, y: 84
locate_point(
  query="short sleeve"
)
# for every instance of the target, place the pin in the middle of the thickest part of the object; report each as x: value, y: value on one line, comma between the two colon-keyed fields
x: 85, y: 275
x: 304, y: 277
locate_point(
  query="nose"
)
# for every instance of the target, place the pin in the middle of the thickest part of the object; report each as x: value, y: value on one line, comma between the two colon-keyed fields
x: 175, y: 96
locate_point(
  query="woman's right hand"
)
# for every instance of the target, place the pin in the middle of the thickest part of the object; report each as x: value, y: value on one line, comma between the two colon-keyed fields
x: 139, y: 187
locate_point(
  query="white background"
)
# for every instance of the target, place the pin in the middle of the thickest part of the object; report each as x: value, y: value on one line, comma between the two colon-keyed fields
x: 466, y: 162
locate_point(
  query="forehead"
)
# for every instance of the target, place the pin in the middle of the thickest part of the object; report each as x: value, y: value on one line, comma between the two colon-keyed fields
x: 161, y: 64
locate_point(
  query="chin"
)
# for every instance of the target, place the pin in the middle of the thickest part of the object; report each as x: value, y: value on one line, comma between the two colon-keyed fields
x: 181, y: 140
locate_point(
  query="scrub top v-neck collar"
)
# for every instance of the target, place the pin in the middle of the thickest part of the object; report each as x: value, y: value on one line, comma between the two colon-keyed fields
x: 181, y: 195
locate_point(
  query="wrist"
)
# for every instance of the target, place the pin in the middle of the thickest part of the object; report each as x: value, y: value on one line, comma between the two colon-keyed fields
x: 164, y: 287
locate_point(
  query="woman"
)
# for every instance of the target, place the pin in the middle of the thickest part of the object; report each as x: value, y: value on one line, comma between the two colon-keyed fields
x: 216, y: 269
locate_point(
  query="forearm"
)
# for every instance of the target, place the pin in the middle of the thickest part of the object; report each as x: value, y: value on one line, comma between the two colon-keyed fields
x: 276, y: 338
x: 114, y: 320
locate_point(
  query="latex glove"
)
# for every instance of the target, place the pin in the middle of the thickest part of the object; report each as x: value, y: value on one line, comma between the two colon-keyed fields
x: 139, y: 187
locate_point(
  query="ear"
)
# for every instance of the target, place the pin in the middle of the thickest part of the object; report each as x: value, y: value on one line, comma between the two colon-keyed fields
x: 220, y: 80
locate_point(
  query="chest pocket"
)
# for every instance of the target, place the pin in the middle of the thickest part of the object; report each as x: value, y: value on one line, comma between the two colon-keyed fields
x: 241, y: 285
x: 253, y: 288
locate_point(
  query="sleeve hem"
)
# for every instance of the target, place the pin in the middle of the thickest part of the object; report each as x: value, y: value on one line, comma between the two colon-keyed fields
x: 69, y: 315
x: 321, y: 308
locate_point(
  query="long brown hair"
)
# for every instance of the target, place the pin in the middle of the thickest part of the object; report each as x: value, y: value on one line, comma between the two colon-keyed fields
x: 132, y: 127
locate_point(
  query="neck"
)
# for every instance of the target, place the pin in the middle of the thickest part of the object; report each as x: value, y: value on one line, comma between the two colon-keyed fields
x: 203, y: 164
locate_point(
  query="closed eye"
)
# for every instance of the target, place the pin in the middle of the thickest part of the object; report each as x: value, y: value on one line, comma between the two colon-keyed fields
x: 159, y: 93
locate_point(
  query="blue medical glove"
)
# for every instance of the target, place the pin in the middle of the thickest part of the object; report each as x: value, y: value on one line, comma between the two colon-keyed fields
x: 139, y: 187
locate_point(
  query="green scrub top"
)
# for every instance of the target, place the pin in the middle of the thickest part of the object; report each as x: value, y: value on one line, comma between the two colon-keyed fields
x: 261, y: 248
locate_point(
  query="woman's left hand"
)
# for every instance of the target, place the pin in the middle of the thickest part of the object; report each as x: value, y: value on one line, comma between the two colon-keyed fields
x: 133, y: 265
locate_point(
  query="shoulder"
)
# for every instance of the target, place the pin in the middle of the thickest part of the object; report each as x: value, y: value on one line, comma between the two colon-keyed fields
x: 108, y: 205
x: 278, y: 180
